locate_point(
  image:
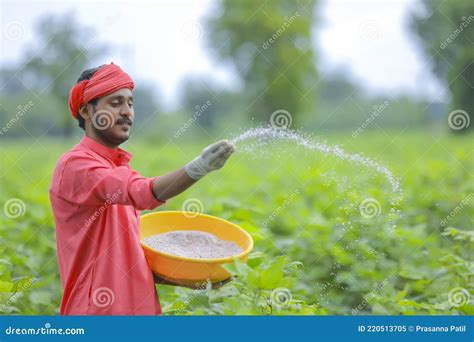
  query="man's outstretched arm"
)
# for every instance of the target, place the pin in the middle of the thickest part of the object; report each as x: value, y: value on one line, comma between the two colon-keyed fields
x: 212, y: 158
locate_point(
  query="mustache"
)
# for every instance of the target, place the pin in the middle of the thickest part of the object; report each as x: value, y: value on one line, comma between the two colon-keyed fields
x: 124, y: 121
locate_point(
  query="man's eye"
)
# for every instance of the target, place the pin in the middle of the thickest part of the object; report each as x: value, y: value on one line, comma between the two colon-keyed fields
x: 115, y: 104
x: 130, y: 104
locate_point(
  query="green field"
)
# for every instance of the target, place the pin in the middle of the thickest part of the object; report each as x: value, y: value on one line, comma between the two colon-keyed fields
x: 314, y: 251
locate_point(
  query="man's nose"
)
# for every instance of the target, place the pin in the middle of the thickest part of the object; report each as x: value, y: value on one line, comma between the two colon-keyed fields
x: 126, y: 111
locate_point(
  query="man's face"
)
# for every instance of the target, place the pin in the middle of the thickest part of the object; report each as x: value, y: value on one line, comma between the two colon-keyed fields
x: 112, y: 118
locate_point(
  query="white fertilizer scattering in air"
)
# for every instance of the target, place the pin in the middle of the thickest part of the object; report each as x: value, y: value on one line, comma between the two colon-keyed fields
x: 253, y: 140
x: 193, y: 244
x: 261, y: 136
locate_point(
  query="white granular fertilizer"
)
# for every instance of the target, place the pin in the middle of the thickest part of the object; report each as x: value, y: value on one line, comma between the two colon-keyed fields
x: 193, y: 244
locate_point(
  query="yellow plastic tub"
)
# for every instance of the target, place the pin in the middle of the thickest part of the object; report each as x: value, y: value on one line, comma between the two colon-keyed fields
x: 191, y: 271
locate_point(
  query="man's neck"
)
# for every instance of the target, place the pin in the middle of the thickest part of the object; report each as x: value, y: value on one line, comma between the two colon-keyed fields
x: 100, y: 141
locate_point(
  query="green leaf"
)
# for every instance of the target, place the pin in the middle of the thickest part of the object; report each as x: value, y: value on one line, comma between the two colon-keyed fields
x: 6, y: 286
x: 272, y: 277
x: 401, y: 294
x: 40, y: 297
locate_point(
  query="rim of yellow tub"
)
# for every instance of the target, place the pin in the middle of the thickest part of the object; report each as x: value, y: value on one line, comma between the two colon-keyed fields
x: 198, y: 260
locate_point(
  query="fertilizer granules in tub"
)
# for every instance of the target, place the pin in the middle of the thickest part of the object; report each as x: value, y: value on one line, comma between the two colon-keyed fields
x: 193, y: 244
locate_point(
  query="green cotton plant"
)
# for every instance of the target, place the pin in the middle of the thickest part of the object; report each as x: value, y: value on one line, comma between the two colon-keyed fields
x: 257, y: 287
x: 12, y: 289
x: 6, y: 287
x: 453, y: 284
x: 460, y: 264
x: 352, y: 264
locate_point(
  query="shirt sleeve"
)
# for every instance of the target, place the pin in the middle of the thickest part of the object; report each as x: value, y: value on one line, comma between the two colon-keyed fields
x: 86, y: 181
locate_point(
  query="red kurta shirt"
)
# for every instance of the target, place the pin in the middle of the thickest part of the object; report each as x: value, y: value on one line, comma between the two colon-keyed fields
x: 96, y: 198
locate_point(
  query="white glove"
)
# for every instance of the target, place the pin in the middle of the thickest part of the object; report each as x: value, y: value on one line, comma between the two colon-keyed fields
x: 212, y: 158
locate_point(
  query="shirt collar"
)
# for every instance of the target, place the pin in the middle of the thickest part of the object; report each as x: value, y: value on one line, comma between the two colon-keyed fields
x: 118, y: 156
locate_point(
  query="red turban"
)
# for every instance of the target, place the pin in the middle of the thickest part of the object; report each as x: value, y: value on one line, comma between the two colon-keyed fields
x: 106, y: 80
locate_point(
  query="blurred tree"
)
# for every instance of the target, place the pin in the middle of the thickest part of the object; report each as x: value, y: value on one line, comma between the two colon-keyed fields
x: 64, y: 48
x: 10, y: 84
x: 146, y: 105
x: 206, y: 101
x: 269, y: 46
x: 197, y: 98
x: 337, y: 86
x: 446, y: 32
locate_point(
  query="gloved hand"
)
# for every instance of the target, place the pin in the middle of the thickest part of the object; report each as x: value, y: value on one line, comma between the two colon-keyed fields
x: 212, y: 158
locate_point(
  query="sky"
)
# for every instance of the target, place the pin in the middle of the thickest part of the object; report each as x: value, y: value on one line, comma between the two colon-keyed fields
x: 164, y: 41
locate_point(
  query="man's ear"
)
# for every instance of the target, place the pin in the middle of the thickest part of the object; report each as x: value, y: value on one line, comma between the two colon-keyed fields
x: 84, y: 112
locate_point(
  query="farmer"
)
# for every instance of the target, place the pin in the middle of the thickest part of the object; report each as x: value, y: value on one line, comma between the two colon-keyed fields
x: 97, y: 197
